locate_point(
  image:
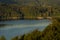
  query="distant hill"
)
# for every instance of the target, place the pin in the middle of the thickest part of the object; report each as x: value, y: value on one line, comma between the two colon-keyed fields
x: 8, y: 1
x: 32, y: 2
x: 28, y: 9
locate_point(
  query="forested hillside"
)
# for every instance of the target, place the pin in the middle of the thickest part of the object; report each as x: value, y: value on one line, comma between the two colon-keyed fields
x: 15, y: 12
x: 31, y: 2
x: 28, y: 9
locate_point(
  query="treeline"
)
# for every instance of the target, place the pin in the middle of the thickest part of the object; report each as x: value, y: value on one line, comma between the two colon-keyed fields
x: 52, y: 32
x: 15, y: 12
x: 8, y: 12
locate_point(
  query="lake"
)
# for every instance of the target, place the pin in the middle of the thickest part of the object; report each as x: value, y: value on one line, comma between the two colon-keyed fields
x: 20, y: 27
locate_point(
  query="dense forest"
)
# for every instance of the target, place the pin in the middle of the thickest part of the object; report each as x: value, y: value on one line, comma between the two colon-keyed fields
x: 15, y: 12
x: 51, y: 32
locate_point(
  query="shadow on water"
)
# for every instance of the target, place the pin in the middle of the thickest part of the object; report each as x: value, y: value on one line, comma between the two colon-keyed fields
x: 2, y: 25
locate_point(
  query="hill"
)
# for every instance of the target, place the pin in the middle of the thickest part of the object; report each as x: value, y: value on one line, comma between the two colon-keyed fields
x: 14, y: 11
x: 28, y: 9
x: 32, y: 2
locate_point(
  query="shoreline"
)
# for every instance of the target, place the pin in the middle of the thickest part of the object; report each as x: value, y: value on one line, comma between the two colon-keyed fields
x: 38, y: 18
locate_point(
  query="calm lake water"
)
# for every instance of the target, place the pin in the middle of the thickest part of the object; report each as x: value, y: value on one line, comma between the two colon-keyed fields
x: 20, y: 27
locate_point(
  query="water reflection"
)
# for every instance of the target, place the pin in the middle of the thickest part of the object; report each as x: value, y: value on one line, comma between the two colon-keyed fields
x: 2, y: 25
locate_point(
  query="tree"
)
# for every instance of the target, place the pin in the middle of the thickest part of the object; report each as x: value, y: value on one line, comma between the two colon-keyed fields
x: 15, y: 38
x: 2, y: 38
